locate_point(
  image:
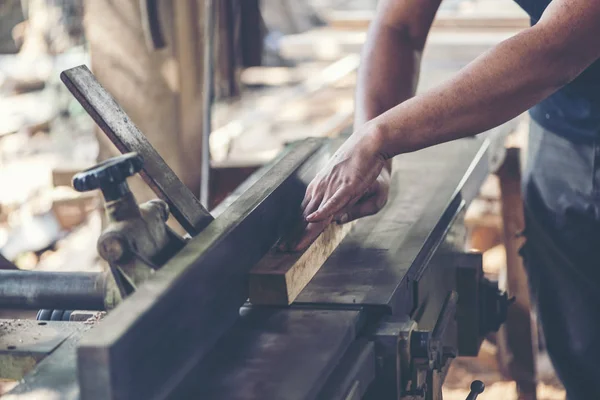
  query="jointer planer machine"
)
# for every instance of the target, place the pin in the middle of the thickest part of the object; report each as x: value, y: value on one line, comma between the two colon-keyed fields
x: 382, y: 318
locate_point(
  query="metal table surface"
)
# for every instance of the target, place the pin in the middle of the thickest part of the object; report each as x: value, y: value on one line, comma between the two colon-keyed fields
x: 289, y: 353
x: 385, y: 252
x: 284, y: 354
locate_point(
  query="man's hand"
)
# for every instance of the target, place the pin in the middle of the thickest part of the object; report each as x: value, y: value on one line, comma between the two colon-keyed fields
x: 372, y: 202
x: 353, y: 184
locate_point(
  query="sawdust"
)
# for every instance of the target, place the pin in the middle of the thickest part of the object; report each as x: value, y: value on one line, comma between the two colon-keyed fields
x: 94, y: 319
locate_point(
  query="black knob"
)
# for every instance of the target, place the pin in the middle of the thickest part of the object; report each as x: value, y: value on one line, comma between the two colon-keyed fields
x: 419, y: 344
x: 477, y: 388
x: 110, y: 176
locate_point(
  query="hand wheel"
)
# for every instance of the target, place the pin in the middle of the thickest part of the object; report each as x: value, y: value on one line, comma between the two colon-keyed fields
x: 109, y: 176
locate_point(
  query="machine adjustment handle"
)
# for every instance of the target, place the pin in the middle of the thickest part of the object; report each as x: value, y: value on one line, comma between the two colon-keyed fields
x: 110, y: 176
x: 477, y: 388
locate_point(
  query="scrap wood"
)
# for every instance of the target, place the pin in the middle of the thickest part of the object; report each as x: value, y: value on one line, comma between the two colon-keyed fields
x: 332, y: 126
x: 221, y: 138
x: 490, y: 19
x: 279, y: 277
x: 270, y: 76
x: 331, y: 44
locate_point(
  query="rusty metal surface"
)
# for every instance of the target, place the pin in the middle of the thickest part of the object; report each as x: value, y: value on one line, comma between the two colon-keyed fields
x: 154, y: 337
x: 354, y: 374
x: 55, y: 377
x: 24, y: 343
x: 272, y: 354
x: 111, y: 118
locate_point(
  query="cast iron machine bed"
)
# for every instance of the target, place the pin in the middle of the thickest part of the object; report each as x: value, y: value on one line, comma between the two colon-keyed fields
x: 383, y: 317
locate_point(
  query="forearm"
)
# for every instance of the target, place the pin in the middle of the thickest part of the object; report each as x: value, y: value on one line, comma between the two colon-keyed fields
x: 493, y: 89
x: 391, y: 57
x: 388, y: 74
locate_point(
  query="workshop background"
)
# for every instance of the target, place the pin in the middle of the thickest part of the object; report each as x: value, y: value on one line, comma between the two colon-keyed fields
x: 284, y: 69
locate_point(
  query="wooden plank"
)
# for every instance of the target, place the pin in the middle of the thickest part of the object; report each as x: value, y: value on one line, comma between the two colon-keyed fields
x: 280, y: 277
x: 516, y: 339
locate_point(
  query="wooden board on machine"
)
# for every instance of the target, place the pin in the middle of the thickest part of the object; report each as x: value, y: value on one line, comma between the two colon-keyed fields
x: 280, y: 277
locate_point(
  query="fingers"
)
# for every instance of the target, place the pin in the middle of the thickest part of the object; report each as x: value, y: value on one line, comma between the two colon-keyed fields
x: 311, y: 232
x: 332, y: 206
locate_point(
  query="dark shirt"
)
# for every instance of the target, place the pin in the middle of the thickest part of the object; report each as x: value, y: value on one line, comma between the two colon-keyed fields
x: 574, y: 110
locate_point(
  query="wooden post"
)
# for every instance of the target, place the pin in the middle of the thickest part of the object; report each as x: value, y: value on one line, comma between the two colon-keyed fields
x: 161, y: 89
x: 516, y: 341
x: 144, y: 82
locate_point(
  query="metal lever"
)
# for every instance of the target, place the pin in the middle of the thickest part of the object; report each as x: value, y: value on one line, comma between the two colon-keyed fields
x: 477, y: 388
x: 111, y: 118
x: 137, y: 240
x: 110, y: 177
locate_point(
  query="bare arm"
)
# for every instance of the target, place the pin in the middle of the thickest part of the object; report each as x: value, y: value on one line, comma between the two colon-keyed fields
x: 391, y: 56
x: 388, y: 75
x: 501, y: 84
x: 497, y: 86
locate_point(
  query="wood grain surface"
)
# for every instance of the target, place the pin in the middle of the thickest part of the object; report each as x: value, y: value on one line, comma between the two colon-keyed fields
x: 279, y: 277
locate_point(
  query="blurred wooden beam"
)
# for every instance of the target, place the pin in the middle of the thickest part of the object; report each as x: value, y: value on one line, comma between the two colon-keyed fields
x: 489, y: 19
x: 221, y: 138
x: 516, y: 342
